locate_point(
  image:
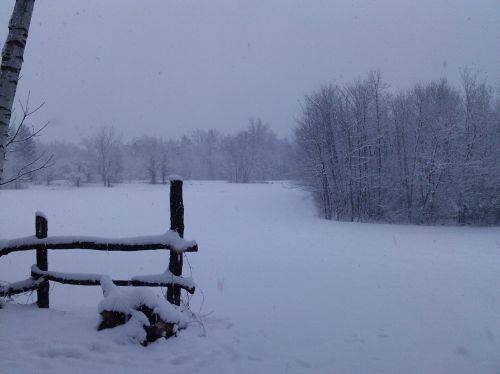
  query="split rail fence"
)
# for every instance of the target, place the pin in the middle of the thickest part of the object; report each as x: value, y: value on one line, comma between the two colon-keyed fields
x: 41, y: 242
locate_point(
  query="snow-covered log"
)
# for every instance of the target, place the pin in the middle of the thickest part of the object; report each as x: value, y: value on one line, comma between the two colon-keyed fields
x: 144, y: 316
x: 170, y: 241
x: 87, y: 279
x: 15, y: 288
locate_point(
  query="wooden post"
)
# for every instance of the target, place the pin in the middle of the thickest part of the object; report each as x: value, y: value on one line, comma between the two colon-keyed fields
x: 41, y: 227
x: 176, y: 224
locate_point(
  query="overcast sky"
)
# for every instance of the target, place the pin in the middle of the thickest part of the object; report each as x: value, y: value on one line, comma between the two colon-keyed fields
x: 166, y: 67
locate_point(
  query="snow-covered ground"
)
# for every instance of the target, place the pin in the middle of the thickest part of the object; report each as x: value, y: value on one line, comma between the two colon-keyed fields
x: 280, y: 290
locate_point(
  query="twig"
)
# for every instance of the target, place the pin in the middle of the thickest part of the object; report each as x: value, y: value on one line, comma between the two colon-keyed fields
x: 22, y: 173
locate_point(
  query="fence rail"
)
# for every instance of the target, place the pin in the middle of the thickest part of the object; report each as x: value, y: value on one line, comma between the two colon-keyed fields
x: 40, y: 274
x: 15, y: 288
x: 170, y: 241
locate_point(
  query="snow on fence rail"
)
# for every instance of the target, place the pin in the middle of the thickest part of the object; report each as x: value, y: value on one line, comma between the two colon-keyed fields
x: 172, y: 240
x: 85, y: 279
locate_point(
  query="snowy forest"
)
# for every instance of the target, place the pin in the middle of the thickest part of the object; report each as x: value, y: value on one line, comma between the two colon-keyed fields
x: 428, y: 154
x: 253, y: 155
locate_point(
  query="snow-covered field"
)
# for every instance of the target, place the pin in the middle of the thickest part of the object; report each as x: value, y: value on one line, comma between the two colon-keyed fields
x: 279, y: 290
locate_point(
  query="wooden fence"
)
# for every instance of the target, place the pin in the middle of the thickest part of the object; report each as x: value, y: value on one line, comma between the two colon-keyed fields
x: 41, y: 242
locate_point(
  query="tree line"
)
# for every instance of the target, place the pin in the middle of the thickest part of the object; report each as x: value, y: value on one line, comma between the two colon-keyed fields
x: 426, y: 154
x: 253, y: 154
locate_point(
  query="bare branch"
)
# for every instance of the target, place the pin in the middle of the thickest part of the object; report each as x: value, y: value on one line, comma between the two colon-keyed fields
x: 23, y: 172
x: 26, y: 113
x: 32, y: 135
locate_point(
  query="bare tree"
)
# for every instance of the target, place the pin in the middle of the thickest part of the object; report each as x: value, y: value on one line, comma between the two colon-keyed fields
x: 251, y: 153
x: 12, y: 60
x: 105, y: 151
x: 166, y: 152
x: 148, y: 149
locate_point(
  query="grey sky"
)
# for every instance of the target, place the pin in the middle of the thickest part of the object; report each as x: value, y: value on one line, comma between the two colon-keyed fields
x: 166, y: 67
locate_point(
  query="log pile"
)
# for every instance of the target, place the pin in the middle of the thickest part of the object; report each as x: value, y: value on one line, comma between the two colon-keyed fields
x: 152, y: 317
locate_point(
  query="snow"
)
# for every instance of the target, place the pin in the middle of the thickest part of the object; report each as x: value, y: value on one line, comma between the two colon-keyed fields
x: 174, y: 177
x: 166, y: 277
x: 280, y: 290
x: 40, y: 214
x: 170, y: 238
x: 7, y: 288
x: 133, y: 330
x: 67, y: 276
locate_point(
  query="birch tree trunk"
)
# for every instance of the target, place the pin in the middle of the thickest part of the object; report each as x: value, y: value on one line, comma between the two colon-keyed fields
x: 12, y: 60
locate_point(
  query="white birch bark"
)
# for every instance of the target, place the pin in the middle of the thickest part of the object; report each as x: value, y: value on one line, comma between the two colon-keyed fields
x: 12, y: 60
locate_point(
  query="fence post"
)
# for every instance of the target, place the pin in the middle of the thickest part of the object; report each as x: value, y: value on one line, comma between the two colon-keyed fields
x: 41, y: 229
x: 176, y: 224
